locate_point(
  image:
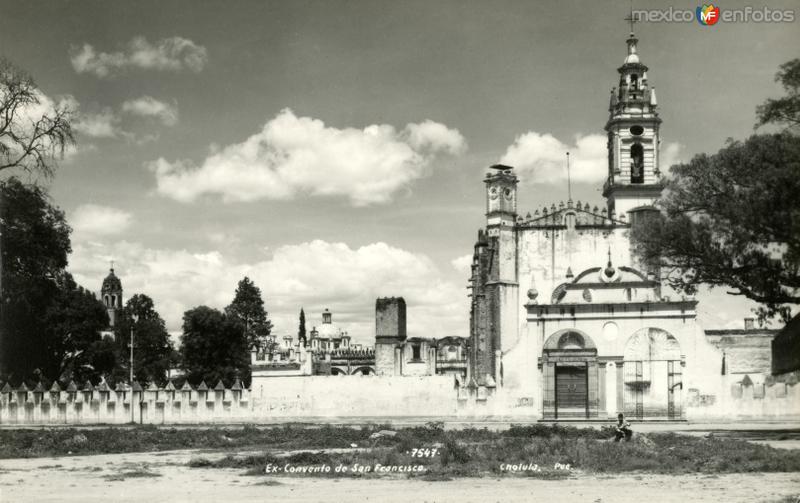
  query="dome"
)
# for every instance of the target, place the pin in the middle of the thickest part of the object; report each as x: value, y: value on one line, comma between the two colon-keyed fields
x: 631, y: 58
x: 112, y: 283
x: 329, y: 331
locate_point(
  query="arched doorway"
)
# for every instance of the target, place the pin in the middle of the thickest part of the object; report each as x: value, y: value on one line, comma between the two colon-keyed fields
x: 652, y: 370
x: 569, y: 367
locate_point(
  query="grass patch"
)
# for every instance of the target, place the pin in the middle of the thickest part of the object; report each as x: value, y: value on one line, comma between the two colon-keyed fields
x: 467, y: 452
x: 471, y: 453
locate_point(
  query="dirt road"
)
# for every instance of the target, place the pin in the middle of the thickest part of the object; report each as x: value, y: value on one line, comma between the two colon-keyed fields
x: 146, y: 477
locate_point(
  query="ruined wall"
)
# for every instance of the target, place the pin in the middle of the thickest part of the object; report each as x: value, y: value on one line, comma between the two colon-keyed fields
x: 748, y: 397
x: 745, y: 350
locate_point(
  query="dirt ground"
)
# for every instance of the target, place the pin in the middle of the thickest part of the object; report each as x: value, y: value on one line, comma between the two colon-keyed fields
x: 164, y: 476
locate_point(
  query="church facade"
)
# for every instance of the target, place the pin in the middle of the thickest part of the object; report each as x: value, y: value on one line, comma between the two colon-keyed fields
x: 564, y: 318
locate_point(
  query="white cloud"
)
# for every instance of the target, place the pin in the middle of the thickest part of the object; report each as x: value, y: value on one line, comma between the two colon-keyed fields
x: 104, y: 124
x: 147, y: 106
x: 95, y: 220
x: 463, y: 264
x: 313, y: 275
x: 435, y: 136
x: 172, y: 54
x: 541, y: 158
x: 671, y: 153
x: 292, y: 155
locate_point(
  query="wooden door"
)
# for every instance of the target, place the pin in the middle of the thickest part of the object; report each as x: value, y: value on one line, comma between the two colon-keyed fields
x: 571, y: 391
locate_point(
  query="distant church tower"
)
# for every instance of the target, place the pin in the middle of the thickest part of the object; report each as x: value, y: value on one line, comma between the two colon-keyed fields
x: 634, y: 174
x: 111, y: 293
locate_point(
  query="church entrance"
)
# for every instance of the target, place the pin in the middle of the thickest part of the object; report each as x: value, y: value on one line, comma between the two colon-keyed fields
x: 572, y: 391
x: 569, y: 367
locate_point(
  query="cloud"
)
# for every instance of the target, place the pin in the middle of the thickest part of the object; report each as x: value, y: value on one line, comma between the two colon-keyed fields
x: 463, y: 264
x: 434, y: 136
x: 292, y: 155
x: 147, y: 106
x: 313, y: 275
x: 168, y: 54
x: 95, y: 220
x: 541, y: 158
x: 104, y: 124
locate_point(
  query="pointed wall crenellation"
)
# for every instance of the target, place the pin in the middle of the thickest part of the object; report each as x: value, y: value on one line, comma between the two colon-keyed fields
x: 103, y: 404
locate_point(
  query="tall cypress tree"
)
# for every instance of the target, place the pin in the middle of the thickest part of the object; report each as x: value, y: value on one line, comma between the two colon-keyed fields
x: 301, y: 330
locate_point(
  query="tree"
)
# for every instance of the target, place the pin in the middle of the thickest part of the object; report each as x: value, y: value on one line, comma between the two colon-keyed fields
x: 153, y: 352
x: 72, y: 342
x: 35, y: 246
x: 301, y: 329
x: 785, y: 110
x: 248, y: 308
x: 34, y: 133
x: 733, y: 219
x: 213, y: 347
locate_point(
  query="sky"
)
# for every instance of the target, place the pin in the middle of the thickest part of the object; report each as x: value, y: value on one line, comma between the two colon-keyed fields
x: 334, y: 151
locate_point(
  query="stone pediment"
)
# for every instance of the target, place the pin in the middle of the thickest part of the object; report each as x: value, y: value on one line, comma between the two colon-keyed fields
x: 607, y: 284
x: 558, y: 216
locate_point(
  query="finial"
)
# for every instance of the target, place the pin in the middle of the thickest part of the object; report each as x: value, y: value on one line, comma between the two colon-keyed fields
x: 631, y: 19
x: 569, y: 181
x: 609, y: 256
x: 112, y: 265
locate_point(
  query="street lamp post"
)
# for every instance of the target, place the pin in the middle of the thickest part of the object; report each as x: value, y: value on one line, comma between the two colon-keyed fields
x: 134, y: 319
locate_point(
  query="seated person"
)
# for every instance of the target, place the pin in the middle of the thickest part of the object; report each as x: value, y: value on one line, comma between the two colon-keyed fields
x: 623, y: 430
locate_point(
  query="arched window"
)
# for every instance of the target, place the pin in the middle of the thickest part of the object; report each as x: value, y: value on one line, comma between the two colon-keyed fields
x: 637, y: 163
x: 634, y: 82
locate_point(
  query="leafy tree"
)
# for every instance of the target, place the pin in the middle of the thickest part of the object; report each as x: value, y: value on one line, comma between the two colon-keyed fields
x: 301, y: 329
x: 213, y: 347
x: 248, y: 308
x: 34, y: 133
x: 72, y: 324
x: 153, y: 352
x: 785, y: 110
x: 733, y: 219
x: 35, y: 246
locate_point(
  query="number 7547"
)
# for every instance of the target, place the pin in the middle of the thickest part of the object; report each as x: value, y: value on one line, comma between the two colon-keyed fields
x: 424, y: 453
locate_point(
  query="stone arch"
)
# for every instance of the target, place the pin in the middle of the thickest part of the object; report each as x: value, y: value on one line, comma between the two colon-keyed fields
x: 367, y: 371
x: 569, y: 376
x: 652, y: 375
x: 337, y: 372
x: 569, y: 338
x: 652, y: 344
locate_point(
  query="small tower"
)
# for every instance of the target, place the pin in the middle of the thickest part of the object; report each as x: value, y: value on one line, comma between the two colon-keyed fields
x: 111, y: 293
x: 502, y: 287
x: 634, y: 173
x: 501, y: 215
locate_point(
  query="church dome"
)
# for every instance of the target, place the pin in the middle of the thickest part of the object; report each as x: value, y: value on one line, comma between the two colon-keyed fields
x: 329, y: 331
x: 112, y: 283
x: 632, y: 58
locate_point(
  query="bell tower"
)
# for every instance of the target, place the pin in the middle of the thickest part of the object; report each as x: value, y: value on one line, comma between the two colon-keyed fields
x: 634, y: 172
x: 111, y: 294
